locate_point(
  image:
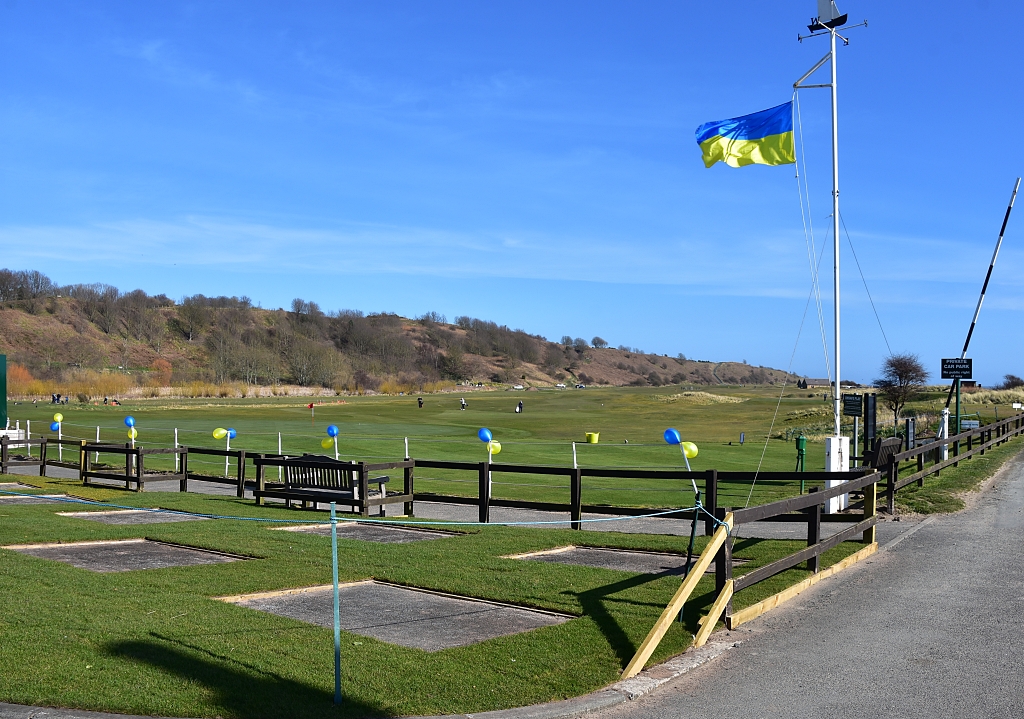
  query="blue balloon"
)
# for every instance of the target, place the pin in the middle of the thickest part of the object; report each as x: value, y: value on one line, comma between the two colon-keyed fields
x: 332, y: 431
x: 54, y: 426
x: 232, y: 433
x: 672, y: 436
x: 485, y: 435
x: 129, y: 421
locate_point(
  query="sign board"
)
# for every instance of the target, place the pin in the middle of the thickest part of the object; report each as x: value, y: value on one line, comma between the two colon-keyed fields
x: 1017, y: 405
x: 969, y: 424
x: 853, y: 405
x: 957, y: 368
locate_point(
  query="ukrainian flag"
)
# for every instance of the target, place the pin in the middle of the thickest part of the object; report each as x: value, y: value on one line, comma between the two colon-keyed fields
x: 763, y: 138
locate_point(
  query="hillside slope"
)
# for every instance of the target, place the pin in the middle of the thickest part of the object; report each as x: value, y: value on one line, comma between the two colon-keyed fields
x: 100, y: 341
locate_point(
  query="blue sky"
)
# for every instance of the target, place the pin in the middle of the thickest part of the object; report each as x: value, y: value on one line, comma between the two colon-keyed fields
x: 529, y: 163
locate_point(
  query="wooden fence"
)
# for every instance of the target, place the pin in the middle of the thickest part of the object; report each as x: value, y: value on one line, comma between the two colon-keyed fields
x: 711, y: 480
x: 6, y: 461
x: 928, y: 459
x: 134, y: 465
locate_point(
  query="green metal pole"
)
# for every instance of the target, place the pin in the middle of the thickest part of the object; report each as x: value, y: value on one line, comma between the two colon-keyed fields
x: 3, y: 391
x: 337, y: 607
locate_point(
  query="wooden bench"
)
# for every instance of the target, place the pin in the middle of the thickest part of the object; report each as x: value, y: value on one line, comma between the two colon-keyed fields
x: 316, y: 479
x: 882, y: 452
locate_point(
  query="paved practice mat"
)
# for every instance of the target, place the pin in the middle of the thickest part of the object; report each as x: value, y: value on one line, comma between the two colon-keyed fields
x: 38, y: 499
x: 15, y: 485
x: 374, y: 532
x: 131, y: 516
x: 623, y: 560
x: 123, y: 555
x: 398, y: 615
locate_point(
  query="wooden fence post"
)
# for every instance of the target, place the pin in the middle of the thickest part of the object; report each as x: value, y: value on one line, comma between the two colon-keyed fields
x: 890, y: 488
x: 139, y: 459
x: 364, y: 489
x: 240, y: 493
x: 576, y: 498
x: 710, y: 499
x: 183, y: 468
x: 409, y: 488
x: 813, y: 532
x: 81, y: 459
x: 485, y: 492
x: 3, y: 454
x: 723, y: 562
x: 260, y: 482
x: 870, y: 507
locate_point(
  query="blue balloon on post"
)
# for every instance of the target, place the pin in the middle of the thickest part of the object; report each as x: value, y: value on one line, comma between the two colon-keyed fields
x: 129, y: 421
x: 672, y: 436
x: 332, y: 431
x: 485, y: 435
x: 232, y: 433
x: 54, y: 426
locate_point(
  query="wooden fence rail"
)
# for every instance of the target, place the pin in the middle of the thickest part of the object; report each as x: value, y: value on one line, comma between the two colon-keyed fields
x: 6, y: 444
x: 990, y: 436
x: 134, y: 464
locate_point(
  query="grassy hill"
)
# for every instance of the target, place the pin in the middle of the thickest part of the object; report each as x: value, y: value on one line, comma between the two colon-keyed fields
x: 94, y: 340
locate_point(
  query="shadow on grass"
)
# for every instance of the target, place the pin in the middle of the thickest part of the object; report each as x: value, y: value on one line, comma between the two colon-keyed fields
x: 594, y: 602
x: 238, y: 689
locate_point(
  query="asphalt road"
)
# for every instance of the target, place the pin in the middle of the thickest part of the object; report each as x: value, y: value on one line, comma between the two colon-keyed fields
x: 929, y: 627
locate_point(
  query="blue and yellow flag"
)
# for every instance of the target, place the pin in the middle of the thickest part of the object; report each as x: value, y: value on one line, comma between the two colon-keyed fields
x: 762, y: 138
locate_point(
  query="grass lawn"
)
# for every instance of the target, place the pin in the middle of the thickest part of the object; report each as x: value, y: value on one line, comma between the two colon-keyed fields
x: 375, y: 428
x: 155, y: 642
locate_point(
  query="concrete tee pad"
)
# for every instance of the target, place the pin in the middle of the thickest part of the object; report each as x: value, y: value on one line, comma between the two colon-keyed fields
x: 399, y: 615
x: 16, y: 485
x: 123, y: 555
x: 131, y: 516
x: 37, y: 499
x: 623, y: 560
x: 373, y: 532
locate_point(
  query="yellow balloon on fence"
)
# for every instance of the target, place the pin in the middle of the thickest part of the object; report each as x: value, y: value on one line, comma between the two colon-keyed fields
x: 494, y: 447
x: 58, y: 417
x: 327, y: 442
x: 132, y: 433
x: 220, y: 433
x: 690, y: 450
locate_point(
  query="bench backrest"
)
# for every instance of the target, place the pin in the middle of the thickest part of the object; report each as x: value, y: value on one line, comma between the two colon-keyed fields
x: 320, y: 472
x: 883, y: 451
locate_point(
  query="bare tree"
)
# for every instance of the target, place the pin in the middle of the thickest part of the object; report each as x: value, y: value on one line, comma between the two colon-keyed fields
x: 903, y: 376
x: 598, y: 342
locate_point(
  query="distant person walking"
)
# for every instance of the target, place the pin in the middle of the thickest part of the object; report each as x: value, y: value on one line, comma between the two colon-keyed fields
x: 519, y: 407
x: 462, y: 402
x: 420, y: 400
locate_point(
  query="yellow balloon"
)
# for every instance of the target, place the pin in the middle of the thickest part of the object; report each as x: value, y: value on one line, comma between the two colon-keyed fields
x: 132, y: 433
x: 58, y: 417
x: 326, y: 442
x: 690, y: 450
x: 494, y: 447
x: 220, y: 433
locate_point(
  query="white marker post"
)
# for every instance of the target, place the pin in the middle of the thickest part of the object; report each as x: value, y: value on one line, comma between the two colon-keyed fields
x: 177, y: 457
x: 279, y: 452
x: 28, y: 436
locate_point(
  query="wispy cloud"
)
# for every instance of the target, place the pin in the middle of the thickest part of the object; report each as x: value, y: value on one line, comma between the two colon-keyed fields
x: 245, y: 246
x: 164, y: 62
